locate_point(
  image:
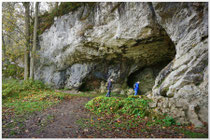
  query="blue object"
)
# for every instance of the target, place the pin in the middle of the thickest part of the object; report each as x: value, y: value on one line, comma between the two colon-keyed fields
x: 136, y: 88
x: 109, y: 87
x: 108, y: 93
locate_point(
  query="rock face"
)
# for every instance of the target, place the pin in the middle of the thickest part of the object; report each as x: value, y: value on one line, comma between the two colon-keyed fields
x: 184, y: 80
x: 160, y: 44
x: 94, y: 44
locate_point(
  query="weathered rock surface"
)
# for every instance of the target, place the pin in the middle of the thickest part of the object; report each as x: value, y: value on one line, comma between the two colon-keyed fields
x: 102, y: 45
x: 146, y: 76
x: 123, y: 41
x: 184, y: 80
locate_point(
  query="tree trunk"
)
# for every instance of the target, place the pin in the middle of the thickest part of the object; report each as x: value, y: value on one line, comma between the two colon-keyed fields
x: 33, y: 52
x: 27, y: 34
x: 56, y: 5
x: 3, y: 48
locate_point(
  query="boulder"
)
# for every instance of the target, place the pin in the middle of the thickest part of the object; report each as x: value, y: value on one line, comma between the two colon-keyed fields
x: 130, y: 91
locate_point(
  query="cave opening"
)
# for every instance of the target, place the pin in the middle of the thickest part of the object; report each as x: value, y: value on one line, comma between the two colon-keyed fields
x: 146, y: 76
x: 162, y: 52
x: 90, y: 85
x: 84, y: 87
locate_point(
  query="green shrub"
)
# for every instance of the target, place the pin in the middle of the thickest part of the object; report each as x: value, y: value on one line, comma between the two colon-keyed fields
x: 168, y: 121
x: 12, y: 70
x: 136, y: 106
x: 118, y: 106
x: 13, y: 87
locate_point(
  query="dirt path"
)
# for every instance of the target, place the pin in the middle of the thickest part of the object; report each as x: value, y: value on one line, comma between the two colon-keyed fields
x: 58, y: 121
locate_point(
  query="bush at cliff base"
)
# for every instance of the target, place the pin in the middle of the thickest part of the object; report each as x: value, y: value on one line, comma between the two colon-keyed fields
x: 133, y: 105
x: 137, y: 106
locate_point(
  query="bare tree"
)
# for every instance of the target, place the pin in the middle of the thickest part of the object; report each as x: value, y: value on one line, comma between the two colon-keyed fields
x: 34, y: 41
x: 27, y: 34
x: 3, y: 47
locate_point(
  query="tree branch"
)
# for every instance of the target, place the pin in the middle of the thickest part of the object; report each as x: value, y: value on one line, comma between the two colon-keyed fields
x: 15, y: 27
x: 13, y: 38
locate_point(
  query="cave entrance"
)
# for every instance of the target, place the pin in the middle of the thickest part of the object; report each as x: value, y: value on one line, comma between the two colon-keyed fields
x: 158, y: 53
x: 146, y: 76
x: 90, y: 85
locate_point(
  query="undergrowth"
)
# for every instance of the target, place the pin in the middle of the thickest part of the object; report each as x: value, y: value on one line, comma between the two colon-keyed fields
x: 134, y: 109
x: 12, y: 87
x: 28, y: 96
x: 191, y: 134
x: 128, y: 106
x: 12, y: 70
x: 20, y: 99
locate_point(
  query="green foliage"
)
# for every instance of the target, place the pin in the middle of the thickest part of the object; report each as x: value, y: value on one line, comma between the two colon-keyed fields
x: 190, y: 134
x: 13, y: 87
x: 66, y: 7
x: 118, y: 106
x: 136, y: 106
x: 28, y: 96
x: 115, y: 7
x: 47, y: 19
x: 12, y: 70
x: 168, y: 121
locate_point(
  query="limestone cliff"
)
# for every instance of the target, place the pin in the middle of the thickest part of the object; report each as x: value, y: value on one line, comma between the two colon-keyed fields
x: 164, y: 45
x: 185, y: 79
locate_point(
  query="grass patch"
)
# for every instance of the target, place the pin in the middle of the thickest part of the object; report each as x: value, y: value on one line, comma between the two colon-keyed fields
x: 190, y: 134
x: 28, y: 96
x: 131, y: 114
x: 22, y: 98
x: 119, y: 105
x: 127, y: 112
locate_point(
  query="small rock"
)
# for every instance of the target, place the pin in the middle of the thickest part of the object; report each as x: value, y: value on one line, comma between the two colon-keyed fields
x: 146, y: 118
x: 152, y: 104
x: 117, y: 130
x: 85, y: 130
x: 122, y: 92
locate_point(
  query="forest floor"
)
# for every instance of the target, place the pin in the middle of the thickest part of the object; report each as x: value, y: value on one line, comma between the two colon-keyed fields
x: 70, y: 119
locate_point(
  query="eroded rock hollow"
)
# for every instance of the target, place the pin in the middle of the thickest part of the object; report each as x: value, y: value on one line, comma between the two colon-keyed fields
x: 163, y: 45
